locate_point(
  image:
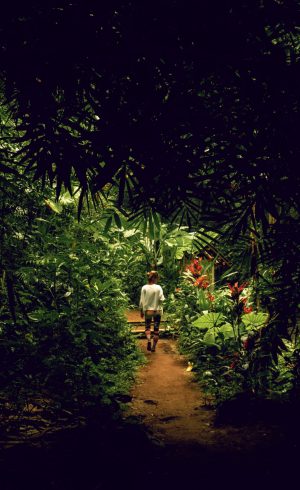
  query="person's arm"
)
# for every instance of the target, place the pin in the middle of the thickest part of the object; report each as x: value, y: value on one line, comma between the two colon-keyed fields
x: 141, y: 303
x: 161, y: 296
x: 161, y: 299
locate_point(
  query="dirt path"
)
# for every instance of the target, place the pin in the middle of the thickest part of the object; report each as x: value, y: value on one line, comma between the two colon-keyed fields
x: 191, y: 450
x: 167, y: 442
x: 167, y: 399
x: 133, y: 316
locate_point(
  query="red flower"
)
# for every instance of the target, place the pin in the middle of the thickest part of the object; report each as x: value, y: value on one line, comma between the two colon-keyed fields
x: 236, y: 289
x: 247, y: 309
x: 195, y: 267
x: 202, y: 282
x: 210, y: 297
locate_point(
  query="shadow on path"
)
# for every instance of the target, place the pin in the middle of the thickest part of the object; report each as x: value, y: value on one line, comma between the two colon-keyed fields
x: 167, y: 440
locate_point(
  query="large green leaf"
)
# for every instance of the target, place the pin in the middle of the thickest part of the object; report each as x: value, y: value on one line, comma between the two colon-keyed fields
x: 129, y: 233
x: 209, y: 321
x: 107, y: 225
x: 210, y: 337
x: 180, y: 253
x: 151, y: 228
x: 118, y: 221
x: 55, y: 206
x: 157, y: 221
x: 254, y: 320
x: 226, y: 330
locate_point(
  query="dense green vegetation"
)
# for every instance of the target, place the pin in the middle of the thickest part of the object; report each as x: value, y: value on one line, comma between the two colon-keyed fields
x: 65, y: 285
x: 64, y: 336
x: 168, y: 150
x: 231, y: 339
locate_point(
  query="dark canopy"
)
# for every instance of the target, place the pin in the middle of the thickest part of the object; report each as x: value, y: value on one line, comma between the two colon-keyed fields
x: 183, y: 103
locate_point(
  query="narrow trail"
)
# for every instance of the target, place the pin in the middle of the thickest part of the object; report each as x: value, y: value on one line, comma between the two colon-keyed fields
x: 168, y: 400
x: 169, y: 404
x: 167, y: 441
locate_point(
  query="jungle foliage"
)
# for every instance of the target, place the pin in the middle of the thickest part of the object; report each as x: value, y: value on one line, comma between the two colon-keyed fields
x: 65, y: 285
x: 180, y: 121
x: 214, y: 94
x: 198, y: 122
x: 65, y: 343
x: 231, y: 341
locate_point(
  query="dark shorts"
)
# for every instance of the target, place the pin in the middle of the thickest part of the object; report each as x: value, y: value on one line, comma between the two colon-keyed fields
x: 156, y: 319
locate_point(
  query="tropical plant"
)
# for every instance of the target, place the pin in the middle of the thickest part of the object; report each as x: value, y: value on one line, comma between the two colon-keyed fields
x: 208, y: 141
x: 64, y: 338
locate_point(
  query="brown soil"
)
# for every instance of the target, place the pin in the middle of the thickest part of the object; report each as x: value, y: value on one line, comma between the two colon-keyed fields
x: 133, y: 316
x: 168, y: 400
x: 192, y: 452
x: 168, y: 440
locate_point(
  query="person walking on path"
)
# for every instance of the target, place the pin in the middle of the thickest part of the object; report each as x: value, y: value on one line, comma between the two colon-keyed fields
x: 151, y: 300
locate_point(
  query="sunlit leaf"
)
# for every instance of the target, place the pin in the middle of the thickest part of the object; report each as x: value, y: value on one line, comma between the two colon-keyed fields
x: 255, y: 320
x: 210, y: 320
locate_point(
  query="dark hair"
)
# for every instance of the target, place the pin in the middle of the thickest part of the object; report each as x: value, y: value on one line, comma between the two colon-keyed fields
x: 152, y: 275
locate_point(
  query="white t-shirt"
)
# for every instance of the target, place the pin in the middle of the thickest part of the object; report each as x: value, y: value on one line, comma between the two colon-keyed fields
x: 152, y: 297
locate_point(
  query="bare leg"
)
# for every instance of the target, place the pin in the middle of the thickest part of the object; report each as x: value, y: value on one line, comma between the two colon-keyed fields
x: 156, y: 331
x: 148, y: 331
x: 155, y: 340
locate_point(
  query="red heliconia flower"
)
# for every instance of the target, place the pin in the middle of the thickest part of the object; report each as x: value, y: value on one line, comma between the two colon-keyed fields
x: 236, y: 289
x: 201, y: 282
x: 195, y: 267
x: 247, y: 309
